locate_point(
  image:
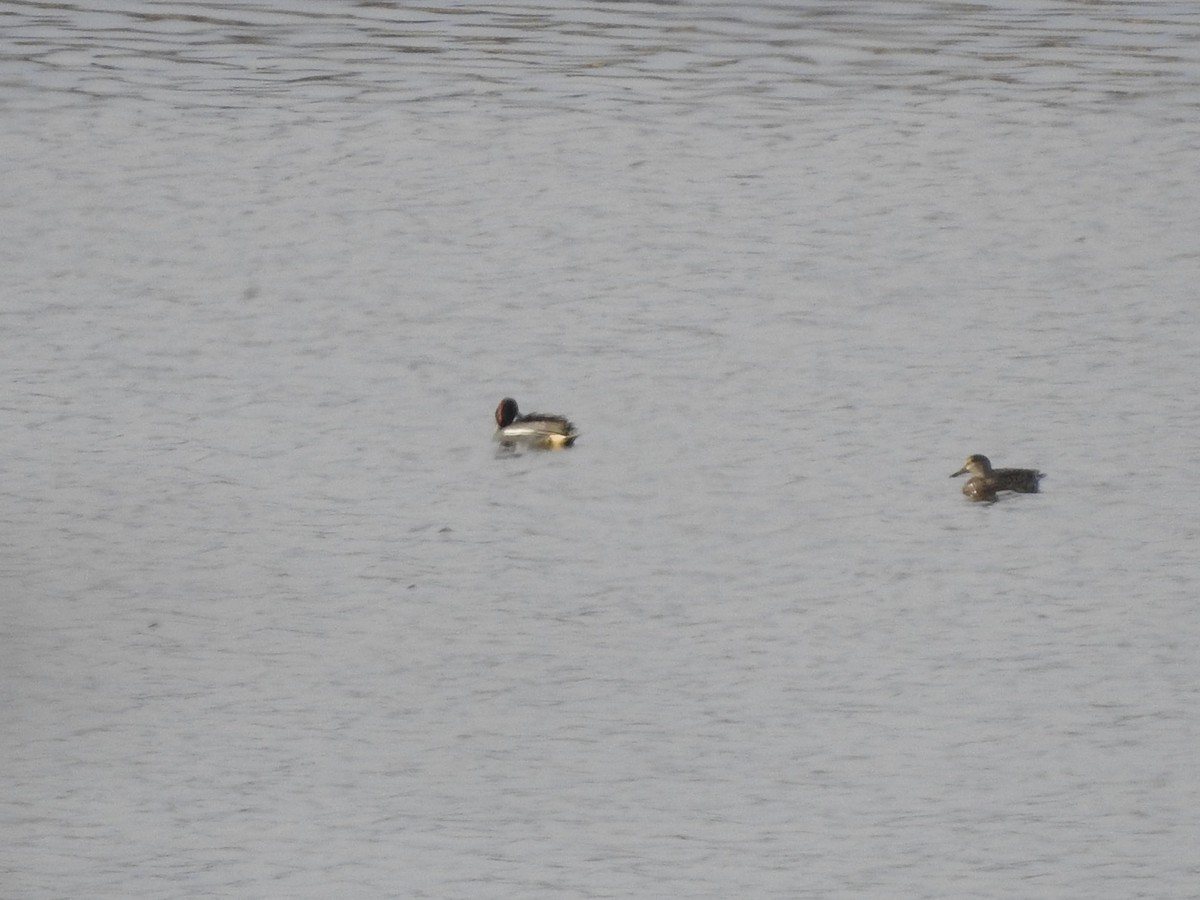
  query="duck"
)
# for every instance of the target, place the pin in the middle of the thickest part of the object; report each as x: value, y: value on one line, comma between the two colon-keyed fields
x: 534, y: 430
x: 985, y: 482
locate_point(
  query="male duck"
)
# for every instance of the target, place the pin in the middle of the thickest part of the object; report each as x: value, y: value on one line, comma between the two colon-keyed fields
x: 985, y: 481
x: 534, y: 430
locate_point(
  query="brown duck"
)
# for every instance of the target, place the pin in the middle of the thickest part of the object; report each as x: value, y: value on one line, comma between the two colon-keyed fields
x: 985, y: 482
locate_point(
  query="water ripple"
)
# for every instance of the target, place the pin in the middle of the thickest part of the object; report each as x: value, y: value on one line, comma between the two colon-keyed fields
x: 645, y: 53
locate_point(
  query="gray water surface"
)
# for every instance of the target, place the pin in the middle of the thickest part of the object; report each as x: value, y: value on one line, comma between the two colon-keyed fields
x: 278, y: 620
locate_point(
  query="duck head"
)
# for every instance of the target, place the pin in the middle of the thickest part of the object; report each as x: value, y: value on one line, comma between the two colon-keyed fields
x: 977, y: 464
x: 506, y: 412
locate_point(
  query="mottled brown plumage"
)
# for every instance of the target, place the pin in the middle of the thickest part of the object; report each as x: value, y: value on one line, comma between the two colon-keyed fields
x: 985, y: 482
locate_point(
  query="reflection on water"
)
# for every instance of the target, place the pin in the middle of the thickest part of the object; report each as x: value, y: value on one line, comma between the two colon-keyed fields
x: 276, y: 620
